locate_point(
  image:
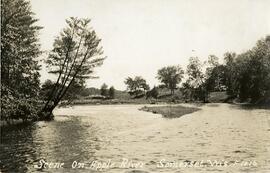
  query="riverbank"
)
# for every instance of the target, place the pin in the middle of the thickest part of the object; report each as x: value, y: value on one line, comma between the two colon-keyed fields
x: 121, y: 101
x: 172, y: 111
x: 165, y: 97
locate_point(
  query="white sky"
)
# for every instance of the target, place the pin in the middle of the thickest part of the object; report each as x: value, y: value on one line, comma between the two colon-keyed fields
x: 141, y: 36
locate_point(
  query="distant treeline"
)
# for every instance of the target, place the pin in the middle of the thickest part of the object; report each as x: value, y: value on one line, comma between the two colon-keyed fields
x: 245, y: 77
x: 82, y: 92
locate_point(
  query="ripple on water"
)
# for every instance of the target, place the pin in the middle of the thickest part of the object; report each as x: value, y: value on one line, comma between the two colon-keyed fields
x: 136, y: 171
x: 106, y: 133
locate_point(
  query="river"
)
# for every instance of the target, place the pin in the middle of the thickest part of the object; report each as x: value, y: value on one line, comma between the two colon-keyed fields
x: 120, y: 138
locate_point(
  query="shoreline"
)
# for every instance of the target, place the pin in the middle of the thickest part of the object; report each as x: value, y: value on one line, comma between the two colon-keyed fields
x: 170, y: 111
x: 155, y: 108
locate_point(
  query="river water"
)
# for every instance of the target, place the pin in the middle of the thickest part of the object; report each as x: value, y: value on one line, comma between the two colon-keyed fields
x: 120, y: 138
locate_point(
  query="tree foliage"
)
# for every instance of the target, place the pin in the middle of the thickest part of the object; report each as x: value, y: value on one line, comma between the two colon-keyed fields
x: 19, y: 60
x: 194, y: 72
x: 248, y: 74
x: 194, y: 86
x: 104, y: 90
x: 136, y: 87
x: 170, y: 76
x: 76, y: 52
x: 245, y: 76
x: 153, y: 93
x: 112, y: 92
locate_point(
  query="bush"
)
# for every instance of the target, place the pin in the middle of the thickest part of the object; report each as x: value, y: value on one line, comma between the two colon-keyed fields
x: 17, y: 108
x: 153, y: 93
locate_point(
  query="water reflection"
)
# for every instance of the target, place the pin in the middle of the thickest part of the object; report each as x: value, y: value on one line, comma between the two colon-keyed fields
x: 66, y: 139
x: 18, y: 148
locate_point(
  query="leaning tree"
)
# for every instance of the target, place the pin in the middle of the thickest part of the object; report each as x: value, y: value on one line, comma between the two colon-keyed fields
x: 75, y: 54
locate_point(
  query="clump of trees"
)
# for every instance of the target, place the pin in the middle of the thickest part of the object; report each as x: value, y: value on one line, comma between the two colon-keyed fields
x: 104, y: 90
x: 248, y: 74
x: 76, y: 52
x: 20, y: 67
x: 108, y: 93
x: 153, y: 93
x: 202, y: 78
x: 136, y: 87
x: 170, y: 77
x: 245, y: 76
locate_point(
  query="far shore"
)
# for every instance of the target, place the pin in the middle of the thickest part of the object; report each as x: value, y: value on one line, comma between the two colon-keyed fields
x: 168, y: 109
x: 124, y: 101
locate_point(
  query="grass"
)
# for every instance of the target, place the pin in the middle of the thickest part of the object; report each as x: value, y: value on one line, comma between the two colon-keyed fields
x: 122, y: 97
x: 170, y: 111
x: 110, y: 101
x: 218, y: 97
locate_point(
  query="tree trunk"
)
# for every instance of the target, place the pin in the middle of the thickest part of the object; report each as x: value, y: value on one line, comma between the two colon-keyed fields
x: 59, y: 76
x: 172, y: 91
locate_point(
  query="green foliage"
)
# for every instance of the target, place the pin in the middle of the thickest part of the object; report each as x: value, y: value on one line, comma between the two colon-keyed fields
x: 170, y: 76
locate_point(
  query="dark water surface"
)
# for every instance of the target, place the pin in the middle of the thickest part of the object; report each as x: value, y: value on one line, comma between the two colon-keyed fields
x: 218, y: 138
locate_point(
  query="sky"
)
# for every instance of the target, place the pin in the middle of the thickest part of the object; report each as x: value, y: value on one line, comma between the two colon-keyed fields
x: 141, y: 36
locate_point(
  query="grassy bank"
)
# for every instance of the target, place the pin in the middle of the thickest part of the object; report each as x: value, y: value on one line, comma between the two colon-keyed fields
x: 121, y: 101
x: 170, y: 111
x: 110, y: 101
x: 122, y: 97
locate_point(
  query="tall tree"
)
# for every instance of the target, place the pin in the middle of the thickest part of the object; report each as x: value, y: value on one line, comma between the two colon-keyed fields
x: 216, y: 79
x: 214, y: 74
x: 194, y: 72
x: 19, y: 48
x: 252, y: 74
x: 196, y: 79
x: 170, y: 76
x: 19, y: 56
x: 111, y: 92
x: 104, y: 90
x: 75, y: 54
x: 230, y: 73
